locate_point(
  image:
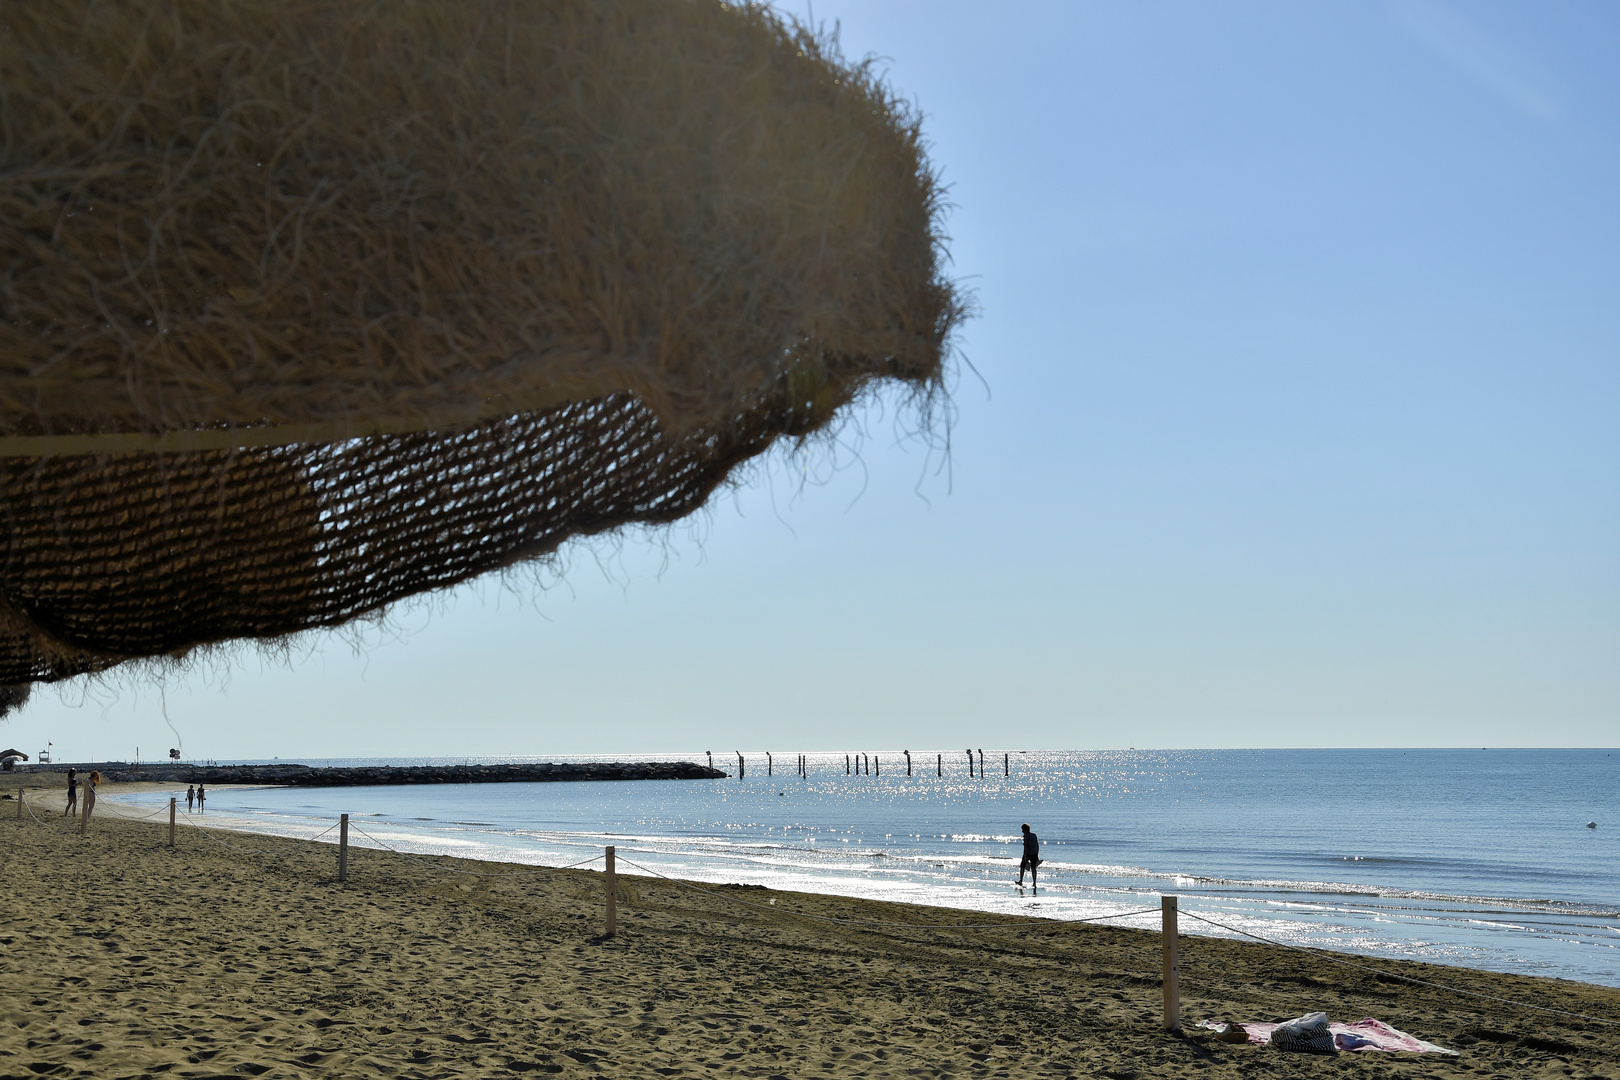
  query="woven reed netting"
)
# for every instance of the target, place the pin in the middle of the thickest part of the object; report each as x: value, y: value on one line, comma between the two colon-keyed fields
x: 306, y: 308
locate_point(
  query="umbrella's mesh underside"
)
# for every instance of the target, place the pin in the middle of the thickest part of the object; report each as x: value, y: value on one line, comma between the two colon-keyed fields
x: 133, y: 555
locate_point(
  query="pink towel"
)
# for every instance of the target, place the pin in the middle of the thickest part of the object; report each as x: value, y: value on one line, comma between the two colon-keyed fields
x: 1368, y: 1034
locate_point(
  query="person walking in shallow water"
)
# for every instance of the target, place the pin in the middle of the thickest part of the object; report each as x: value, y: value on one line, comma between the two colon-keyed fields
x: 191, y: 797
x: 202, y: 797
x: 1032, y: 856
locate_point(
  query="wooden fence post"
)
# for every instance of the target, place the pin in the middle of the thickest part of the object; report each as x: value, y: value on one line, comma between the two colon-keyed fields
x: 343, y: 848
x: 612, y: 898
x: 171, y: 821
x: 1172, y: 965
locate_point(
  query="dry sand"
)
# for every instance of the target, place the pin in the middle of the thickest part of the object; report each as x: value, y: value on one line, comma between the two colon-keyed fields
x: 123, y: 958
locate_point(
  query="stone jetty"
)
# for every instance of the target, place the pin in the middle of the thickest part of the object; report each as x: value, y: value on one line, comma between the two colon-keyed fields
x: 290, y: 775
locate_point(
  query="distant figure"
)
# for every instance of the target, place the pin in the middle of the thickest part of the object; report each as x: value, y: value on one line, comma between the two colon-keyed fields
x: 202, y: 798
x: 191, y: 797
x: 90, y: 795
x: 1032, y: 857
x: 73, y: 792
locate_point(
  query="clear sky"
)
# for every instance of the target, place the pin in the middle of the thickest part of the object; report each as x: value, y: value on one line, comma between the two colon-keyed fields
x: 1301, y: 330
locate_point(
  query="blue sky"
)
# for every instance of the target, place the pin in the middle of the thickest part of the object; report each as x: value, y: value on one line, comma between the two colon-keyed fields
x: 1302, y: 343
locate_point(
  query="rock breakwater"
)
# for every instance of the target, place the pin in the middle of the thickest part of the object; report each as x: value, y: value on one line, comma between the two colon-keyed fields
x: 290, y: 775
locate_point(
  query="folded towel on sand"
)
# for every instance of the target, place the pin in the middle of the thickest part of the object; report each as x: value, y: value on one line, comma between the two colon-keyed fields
x: 1368, y: 1034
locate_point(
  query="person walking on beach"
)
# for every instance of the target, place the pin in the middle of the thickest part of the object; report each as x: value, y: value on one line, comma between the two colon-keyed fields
x: 191, y: 797
x: 73, y: 792
x: 90, y: 795
x: 202, y: 797
x: 1032, y: 856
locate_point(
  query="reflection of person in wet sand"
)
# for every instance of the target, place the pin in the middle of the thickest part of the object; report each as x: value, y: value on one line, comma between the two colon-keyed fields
x: 1032, y: 857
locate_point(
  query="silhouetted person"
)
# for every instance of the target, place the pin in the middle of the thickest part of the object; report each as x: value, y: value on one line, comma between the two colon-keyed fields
x: 73, y: 792
x: 202, y: 797
x: 191, y: 797
x: 1032, y: 857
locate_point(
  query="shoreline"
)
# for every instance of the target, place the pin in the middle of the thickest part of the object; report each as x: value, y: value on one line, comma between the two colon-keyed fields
x: 1074, y: 902
x: 247, y: 955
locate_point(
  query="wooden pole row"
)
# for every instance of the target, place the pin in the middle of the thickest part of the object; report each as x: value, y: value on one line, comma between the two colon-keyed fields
x: 871, y: 764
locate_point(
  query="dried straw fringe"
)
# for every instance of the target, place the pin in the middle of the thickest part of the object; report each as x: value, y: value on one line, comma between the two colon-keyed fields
x: 508, y: 273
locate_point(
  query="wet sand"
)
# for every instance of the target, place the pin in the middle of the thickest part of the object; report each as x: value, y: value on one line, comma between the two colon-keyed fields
x: 239, y: 955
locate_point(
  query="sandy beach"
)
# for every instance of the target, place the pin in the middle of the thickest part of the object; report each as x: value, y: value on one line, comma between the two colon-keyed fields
x: 239, y: 955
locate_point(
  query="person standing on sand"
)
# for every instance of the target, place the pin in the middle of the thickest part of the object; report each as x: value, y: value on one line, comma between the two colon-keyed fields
x: 1032, y: 856
x: 191, y: 796
x: 73, y: 792
x: 90, y: 795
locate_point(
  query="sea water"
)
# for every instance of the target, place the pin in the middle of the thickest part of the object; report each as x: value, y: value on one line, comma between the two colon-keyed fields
x: 1480, y: 858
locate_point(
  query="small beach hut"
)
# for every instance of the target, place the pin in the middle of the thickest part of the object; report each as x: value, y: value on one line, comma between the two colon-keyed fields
x: 308, y: 308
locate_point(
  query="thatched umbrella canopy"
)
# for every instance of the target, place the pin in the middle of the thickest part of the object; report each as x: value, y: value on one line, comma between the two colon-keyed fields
x: 309, y: 307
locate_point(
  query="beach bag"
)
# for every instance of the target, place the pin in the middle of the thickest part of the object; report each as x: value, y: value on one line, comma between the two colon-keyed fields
x: 1308, y: 1033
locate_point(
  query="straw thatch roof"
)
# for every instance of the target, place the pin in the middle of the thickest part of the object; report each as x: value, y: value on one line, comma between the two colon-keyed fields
x: 305, y: 308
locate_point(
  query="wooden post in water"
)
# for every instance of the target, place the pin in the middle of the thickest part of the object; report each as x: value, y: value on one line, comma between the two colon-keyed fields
x: 970, y: 761
x: 981, y: 764
x: 879, y: 765
x: 939, y: 765
x: 768, y: 764
x: 1006, y: 764
x: 846, y: 764
x: 343, y: 848
x: 741, y: 765
x: 612, y: 897
x: 171, y: 821
x: 1172, y: 965
x: 908, y: 762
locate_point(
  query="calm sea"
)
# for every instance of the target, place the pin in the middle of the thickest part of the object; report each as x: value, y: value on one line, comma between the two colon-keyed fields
x: 1480, y: 858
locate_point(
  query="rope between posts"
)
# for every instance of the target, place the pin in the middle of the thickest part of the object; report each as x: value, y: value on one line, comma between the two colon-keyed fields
x: 469, y: 873
x: 1050, y: 923
x: 1323, y: 954
x: 248, y: 851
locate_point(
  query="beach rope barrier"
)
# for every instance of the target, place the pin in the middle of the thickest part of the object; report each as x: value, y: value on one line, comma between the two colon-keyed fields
x: 469, y: 873
x: 1325, y: 955
x: 1045, y: 924
x: 246, y: 850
